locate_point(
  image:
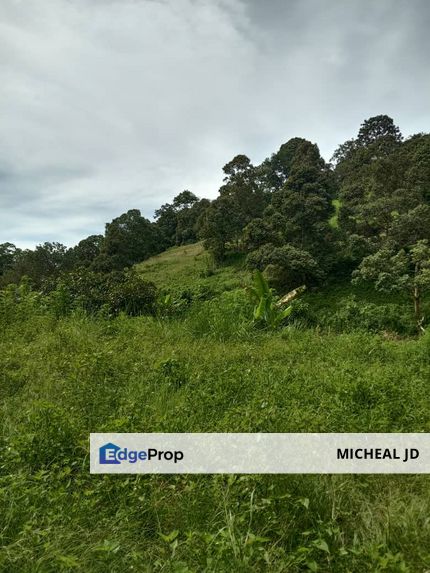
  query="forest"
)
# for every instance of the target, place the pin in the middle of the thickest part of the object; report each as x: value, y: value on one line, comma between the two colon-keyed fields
x: 297, y: 300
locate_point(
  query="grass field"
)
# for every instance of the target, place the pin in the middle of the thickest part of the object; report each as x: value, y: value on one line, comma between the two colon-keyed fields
x: 207, y: 369
x: 191, y: 268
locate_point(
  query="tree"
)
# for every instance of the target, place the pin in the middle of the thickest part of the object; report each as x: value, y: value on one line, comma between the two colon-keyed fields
x: 129, y: 239
x: 290, y: 155
x: 187, y: 227
x: 166, y: 220
x: 417, y: 168
x: 286, y: 266
x: 8, y: 255
x: 241, y: 199
x: 221, y: 224
x: 374, y: 188
x: 381, y: 130
x: 295, y: 226
x: 184, y: 200
x: 242, y: 185
x: 404, y: 270
x: 45, y: 261
x: 177, y: 221
x: 86, y: 251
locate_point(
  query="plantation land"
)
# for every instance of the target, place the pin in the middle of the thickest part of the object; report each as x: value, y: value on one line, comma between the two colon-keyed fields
x: 203, y: 368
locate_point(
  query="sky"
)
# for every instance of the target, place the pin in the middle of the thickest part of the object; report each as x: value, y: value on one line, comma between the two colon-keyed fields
x: 110, y: 105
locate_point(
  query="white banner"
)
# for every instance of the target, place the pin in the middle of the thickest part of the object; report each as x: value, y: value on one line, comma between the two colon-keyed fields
x: 189, y: 453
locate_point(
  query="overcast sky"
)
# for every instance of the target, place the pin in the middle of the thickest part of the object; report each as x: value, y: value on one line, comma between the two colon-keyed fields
x: 109, y: 105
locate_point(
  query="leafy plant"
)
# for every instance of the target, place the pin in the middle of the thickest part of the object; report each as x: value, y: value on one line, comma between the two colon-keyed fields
x: 268, y: 309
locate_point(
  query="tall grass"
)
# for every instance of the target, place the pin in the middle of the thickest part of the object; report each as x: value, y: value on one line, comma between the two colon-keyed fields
x: 207, y: 371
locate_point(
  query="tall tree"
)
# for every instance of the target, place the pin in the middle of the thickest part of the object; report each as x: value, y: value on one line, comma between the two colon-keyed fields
x: 86, y: 251
x: 177, y: 221
x: 294, y: 231
x: 8, y: 255
x: 129, y: 239
x: 241, y: 199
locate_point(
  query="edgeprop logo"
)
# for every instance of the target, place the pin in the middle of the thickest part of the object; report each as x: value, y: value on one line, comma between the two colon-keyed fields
x: 112, y: 454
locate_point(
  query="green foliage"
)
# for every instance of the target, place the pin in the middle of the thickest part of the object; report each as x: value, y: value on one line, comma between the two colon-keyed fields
x: 242, y: 198
x: 86, y: 251
x: 178, y: 222
x: 286, y: 266
x: 268, y: 309
x: 62, y: 379
x: 350, y: 314
x: 173, y: 372
x: 80, y: 290
x: 179, y: 353
x: 402, y: 271
x: 210, y: 265
x: 129, y: 239
x: 44, y: 262
x: 189, y: 272
x: 223, y: 318
x: 114, y: 292
x: 19, y: 302
x: 293, y: 235
x: 169, y: 307
x: 8, y: 255
x: 221, y: 225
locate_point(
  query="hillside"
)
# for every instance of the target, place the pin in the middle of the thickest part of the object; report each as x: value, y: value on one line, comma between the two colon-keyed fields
x: 190, y: 267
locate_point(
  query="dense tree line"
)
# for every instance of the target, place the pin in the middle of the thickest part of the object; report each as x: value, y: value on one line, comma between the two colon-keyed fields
x: 281, y: 214
x: 128, y: 239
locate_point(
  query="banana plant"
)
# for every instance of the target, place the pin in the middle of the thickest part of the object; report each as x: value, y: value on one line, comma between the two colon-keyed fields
x: 268, y: 309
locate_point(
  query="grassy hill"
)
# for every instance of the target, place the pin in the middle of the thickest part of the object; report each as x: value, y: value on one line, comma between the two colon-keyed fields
x: 191, y: 267
x: 205, y: 368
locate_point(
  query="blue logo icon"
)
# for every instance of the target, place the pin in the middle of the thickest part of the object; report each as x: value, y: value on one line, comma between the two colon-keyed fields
x: 108, y: 454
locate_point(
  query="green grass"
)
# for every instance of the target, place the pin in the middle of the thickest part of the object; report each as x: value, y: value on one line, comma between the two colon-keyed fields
x: 334, y: 219
x: 178, y: 264
x: 190, y: 267
x: 206, y: 370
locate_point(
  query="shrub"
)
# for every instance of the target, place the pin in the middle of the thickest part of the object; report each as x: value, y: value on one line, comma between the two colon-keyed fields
x: 114, y: 292
x: 19, y: 302
x: 302, y: 314
x: 354, y: 315
x: 286, y: 266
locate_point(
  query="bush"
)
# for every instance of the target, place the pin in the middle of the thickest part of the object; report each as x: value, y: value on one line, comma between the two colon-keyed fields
x: 354, y: 315
x: 286, y: 266
x: 302, y: 314
x: 114, y: 292
x: 20, y: 302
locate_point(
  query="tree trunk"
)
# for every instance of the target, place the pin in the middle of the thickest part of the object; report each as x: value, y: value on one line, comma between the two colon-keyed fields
x: 417, y: 309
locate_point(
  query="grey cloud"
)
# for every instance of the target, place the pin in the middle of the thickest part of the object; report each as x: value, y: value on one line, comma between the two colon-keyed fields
x: 109, y: 105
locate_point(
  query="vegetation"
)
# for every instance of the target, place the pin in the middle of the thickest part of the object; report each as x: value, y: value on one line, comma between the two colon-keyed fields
x: 182, y: 324
x: 208, y: 369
